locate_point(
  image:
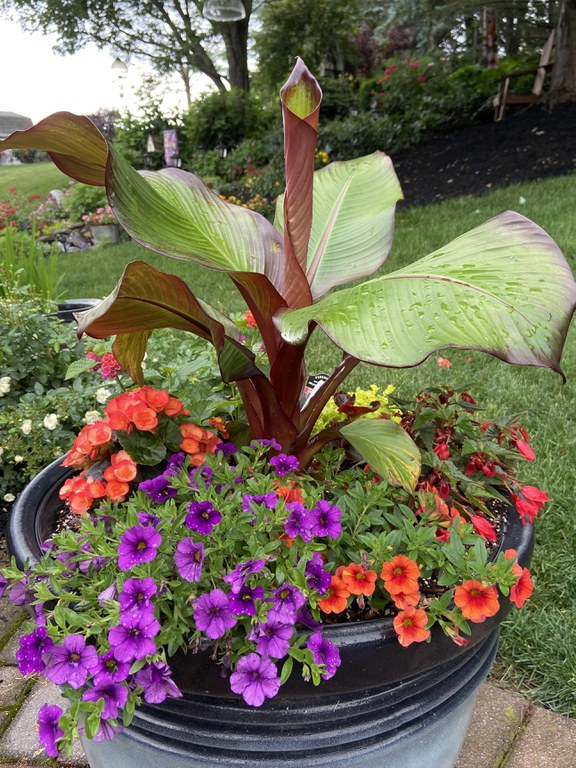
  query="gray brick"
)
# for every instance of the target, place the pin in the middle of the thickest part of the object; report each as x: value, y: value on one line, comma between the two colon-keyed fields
x: 548, y: 741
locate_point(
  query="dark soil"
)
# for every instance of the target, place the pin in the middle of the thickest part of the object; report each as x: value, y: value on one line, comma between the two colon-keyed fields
x: 531, y: 143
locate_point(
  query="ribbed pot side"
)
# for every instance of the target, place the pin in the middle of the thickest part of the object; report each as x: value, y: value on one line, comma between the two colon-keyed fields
x: 386, y: 707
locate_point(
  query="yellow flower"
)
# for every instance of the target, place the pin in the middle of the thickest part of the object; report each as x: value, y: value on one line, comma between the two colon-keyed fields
x: 362, y: 398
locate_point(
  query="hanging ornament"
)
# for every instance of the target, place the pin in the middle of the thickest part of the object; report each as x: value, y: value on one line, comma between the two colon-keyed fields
x: 224, y: 10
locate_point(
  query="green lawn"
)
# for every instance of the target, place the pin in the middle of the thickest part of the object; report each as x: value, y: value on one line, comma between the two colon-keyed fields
x: 538, y: 650
x: 31, y: 179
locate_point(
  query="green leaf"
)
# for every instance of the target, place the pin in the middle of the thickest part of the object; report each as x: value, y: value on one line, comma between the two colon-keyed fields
x: 388, y: 449
x: 286, y: 670
x: 169, y: 433
x: 175, y: 213
x: 143, y: 447
x: 74, y: 143
x: 354, y: 202
x: 502, y: 288
x: 77, y: 367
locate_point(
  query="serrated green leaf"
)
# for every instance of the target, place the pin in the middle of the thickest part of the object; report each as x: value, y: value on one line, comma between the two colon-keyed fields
x: 78, y: 367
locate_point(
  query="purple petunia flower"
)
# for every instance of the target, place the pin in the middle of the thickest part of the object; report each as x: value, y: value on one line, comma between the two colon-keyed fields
x: 200, y: 477
x: 326, y: 520
x: 158, y: 488
x: 305, y: 618
x: 324, y: 652
x: 132, y: 638
x: 137, y: 545
x: 110, y: 670
x: 175, y: 463
x: 298, y: 522
x: 256, y: 679
x: 274, y: 444
x: 269, y: 500
x: 19, y: 592
x: 3, y: 585
x: 157, y: 684
x: 108, y: 594
x: 242, y: 602
x: 226, y: 449
x: 147, y: 518
x: 136, y: 594
x: 106, y: 731
x: 114, y: 695
x: 273, y: 636
x: 316, y: 577
x: 188, y: 557
x: 202, y: 517
x: 287, y: 601
x: 283, y: 464
x: 48, y: 729
x: 31, y: 649
x: 239, y: 575
x: 212, y: 614
x: 71, y: 662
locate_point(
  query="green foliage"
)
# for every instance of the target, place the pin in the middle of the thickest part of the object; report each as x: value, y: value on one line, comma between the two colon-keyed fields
x: 227, y: 119
x: 81, y: 199
x: 27, y: 266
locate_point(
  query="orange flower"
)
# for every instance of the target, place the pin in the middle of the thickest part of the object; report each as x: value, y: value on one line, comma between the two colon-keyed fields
x: 411, y: 626
x: 336, y: 600
x: 476, y: 600
x: 249, y: 317
x: 400, y: 575
x: 157, y: 399
x: 290, y: 493
x: 117, y: 490
x: 443, y: 362
x: 173, y: 407
x: 198, y: 441
x: 122, y: 468
x: 144, y: 418
x: 521, y: 591
x: 358, y: 580
x: 404, y: 600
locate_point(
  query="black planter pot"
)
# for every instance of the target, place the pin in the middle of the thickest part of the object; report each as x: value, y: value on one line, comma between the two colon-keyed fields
x: 386, y: 707
x: 66, y: 309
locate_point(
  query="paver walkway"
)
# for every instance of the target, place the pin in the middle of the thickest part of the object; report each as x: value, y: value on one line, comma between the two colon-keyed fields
x: 507, y: 731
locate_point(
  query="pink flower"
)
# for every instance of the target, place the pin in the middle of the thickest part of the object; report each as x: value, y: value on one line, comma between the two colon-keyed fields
x: 443, y: 362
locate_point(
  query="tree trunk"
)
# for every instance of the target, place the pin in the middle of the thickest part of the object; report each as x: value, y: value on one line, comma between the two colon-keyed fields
x: 563, y: 84
x: 235, y: 37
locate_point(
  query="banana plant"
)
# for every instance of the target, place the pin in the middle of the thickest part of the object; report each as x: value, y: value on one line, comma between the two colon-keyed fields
x: 503, y: 288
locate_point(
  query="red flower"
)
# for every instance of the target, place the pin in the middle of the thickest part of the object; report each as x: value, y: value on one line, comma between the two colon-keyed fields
x: 410, y: 626
x: 521, y: 591
x: 525, y: 450
x: 476, y: 601
x: 442, y: 451
x: 534, y: 495
x: 443, y: 362
x: 249, y: 318
x: 400, y: 575
x: 526, y: 509
x: 483, y: 527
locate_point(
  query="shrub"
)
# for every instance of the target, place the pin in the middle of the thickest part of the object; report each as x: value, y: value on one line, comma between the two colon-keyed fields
x: 81, y: 199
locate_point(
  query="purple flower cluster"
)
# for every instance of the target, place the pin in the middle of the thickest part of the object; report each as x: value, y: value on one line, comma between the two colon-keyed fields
x: 159, y: 488
x: 31, y: 651
x: 283, y: 464
x: 322, y: 521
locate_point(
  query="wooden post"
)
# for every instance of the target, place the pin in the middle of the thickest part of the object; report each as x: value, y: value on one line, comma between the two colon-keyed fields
x: 489, y: 41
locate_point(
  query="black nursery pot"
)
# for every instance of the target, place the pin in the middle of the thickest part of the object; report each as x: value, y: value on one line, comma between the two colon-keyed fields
x: 386, y: 707
x: 69, y: 307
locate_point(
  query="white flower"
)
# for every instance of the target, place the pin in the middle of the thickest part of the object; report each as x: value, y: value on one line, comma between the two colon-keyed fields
x: 91, y: 416
x: 50, y: 421
x: 102, y: 395
x: 18, y: 459
x: 5, y: 385
x: 9, y: 497
x: 522, y: 200
x: 26, y: 426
